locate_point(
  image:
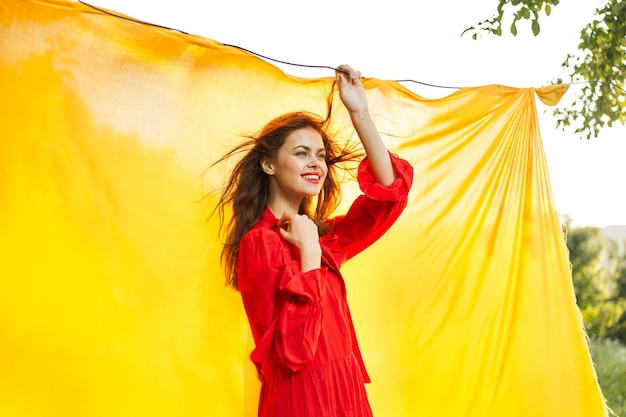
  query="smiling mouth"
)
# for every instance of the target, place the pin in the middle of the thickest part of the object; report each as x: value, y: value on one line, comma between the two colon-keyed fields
x: 311, y: 177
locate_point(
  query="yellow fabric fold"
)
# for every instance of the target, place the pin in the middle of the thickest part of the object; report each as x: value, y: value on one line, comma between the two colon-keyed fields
x: 550, y: 95
x: 112, y: 300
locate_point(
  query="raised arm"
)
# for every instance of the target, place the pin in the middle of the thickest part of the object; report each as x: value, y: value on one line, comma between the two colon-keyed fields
x: 353, y: 97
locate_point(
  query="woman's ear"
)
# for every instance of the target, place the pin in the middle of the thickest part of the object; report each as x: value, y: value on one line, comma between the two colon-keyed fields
x: 267, y: 166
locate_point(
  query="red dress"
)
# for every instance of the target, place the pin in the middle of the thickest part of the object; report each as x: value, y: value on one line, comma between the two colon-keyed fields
x: 306, y: 349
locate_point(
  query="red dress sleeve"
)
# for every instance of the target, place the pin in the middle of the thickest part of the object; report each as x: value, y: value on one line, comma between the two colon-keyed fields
x: 283, y: 303
x: 374, y: 212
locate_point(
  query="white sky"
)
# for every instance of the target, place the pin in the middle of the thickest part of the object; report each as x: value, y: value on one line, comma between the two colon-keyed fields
x: 420, y: 40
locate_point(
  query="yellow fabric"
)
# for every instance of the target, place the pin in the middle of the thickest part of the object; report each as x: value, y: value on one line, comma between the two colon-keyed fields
x: 111, y: 295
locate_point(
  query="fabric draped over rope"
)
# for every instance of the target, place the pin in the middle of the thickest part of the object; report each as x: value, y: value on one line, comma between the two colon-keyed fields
x: 112, y: 300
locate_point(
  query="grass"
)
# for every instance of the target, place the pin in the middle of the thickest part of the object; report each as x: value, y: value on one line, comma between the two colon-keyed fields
x: 610, y: 360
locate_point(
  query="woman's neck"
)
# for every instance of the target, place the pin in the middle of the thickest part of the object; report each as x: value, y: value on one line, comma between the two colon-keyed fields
x: 278, y: 207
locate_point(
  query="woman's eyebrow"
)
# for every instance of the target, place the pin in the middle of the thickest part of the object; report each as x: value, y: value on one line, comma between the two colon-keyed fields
x: 308, y: 149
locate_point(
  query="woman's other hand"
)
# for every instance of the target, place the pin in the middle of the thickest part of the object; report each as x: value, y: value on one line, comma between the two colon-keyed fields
x: 302, y: 232
x: 350, y: 88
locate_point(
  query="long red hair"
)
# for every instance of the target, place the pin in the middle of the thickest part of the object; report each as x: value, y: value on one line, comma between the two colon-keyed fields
x: 246, y: 190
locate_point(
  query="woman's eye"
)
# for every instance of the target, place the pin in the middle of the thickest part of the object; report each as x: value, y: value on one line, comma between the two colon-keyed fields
x: 300, y: 153
x: 321, y: 156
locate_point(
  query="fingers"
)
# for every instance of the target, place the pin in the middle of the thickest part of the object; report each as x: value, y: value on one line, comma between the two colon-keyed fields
x: 283, y: 221
x: 300, y: 230
x: 349, y: 73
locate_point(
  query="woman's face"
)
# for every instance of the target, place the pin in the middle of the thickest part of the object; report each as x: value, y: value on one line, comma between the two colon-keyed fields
x: 299, y: 169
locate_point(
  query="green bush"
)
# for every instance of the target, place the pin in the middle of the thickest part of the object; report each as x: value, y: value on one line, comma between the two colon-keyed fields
x: 598, y: 266
x: 610, y: 361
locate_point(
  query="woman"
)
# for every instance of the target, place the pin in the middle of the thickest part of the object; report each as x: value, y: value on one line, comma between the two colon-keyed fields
x: 284, y: 255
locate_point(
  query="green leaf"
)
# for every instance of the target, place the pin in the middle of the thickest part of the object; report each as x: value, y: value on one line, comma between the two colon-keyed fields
x: 513, y: 29
x: 548, y: 9
x: 501, y: 7
x: 535, y: 27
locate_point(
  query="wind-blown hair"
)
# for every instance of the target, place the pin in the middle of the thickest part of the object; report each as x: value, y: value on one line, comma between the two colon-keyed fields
x: 246, y: 190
